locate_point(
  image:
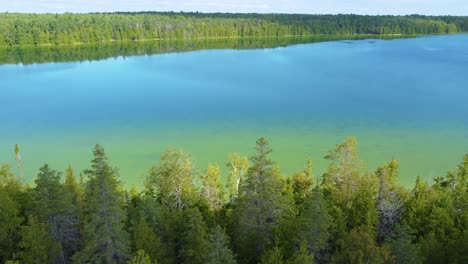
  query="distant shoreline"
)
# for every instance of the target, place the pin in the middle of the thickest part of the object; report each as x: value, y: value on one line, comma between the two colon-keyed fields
x: 74, y: 29
x: 344, y: 37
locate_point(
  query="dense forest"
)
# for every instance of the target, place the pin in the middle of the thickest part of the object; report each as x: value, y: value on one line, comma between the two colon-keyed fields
x: 257, y: 215
x: 56, y: 29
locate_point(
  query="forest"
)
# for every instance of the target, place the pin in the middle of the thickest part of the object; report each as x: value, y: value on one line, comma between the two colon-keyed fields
x: 59, y: 29
x: 255, y: 214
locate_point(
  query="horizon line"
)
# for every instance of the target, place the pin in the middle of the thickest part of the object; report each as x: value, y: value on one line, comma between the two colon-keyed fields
x: 232, y: 13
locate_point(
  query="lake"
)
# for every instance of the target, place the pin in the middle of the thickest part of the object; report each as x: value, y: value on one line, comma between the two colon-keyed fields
x: 404, y: 98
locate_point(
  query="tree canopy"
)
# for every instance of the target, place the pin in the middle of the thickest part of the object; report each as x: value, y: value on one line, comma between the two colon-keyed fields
x: 185, y: 215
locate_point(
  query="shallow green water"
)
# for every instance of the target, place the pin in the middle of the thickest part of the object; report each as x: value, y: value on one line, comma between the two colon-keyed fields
x: 403, y: 99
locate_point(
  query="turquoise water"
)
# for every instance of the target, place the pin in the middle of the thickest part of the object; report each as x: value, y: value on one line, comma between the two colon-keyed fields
x: 405, y: 99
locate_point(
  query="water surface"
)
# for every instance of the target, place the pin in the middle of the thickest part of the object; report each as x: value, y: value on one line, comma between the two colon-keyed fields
x: 404, y: 99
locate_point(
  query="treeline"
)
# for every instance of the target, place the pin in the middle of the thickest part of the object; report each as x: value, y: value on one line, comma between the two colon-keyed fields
x: 348, y: 215
x: 57, y: 29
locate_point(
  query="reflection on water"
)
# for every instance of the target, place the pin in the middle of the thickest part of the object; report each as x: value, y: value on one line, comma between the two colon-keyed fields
x: 90, y: 52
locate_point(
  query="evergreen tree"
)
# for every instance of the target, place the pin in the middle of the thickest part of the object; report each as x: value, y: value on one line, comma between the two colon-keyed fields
x: 105, y: 239
x: 313, y: 224
x: 36, y: 243
x: 219, y: 248
x: 53, y: 206
x: 272, y: 256
x: 359, y: 246
x: 194, y: 239
x: 12, y: 202
x: 302, y: 183
x: 73, y: 187
x: 10, y: 221
x: 144, y: 238
x: 401, y: 245
x: 389, y: 202
x: 303, y: 256
x: 260, y: 207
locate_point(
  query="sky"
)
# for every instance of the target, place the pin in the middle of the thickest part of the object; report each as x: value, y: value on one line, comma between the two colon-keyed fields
x: 370, y: 7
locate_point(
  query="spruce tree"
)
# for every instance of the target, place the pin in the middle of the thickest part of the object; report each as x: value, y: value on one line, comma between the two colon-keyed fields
x: 260, y: 207
x: 313, y: 223
x: 144, y: 238
x: 195, y: 243
x: 219, y: 247
x: 53, y: 206
x: 105, y: 240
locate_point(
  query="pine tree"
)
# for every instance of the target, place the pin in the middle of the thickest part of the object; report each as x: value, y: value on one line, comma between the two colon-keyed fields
x: 53, y: 205
x: 105, y: 239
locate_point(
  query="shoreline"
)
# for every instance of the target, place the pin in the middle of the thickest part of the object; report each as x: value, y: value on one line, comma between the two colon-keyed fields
x: 380, y: 36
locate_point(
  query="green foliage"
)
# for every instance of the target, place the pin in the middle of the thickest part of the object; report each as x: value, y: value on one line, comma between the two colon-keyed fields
x: 389, y: 200
x: 212, y: 189
x: 73, y: 187
x: 10, y: 220
x: 195, y: 242
x: 58, y: 29
x: 141, y: 258
x: 359, y: 246
x: 272, y: 256
x: 146, y: 240
x: 172, y: 181
x: 353, y: 216
x: 99, y: 51
x: 302, y: 183
x: 238, y: 166
x: 303, y: 256
x: 402, y: 247
x: 219, y: 247
x: 36, y: 243
x: 104, y: 236
x: 54, y: 207
x: 313, y: 223
x: 261, y: 206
